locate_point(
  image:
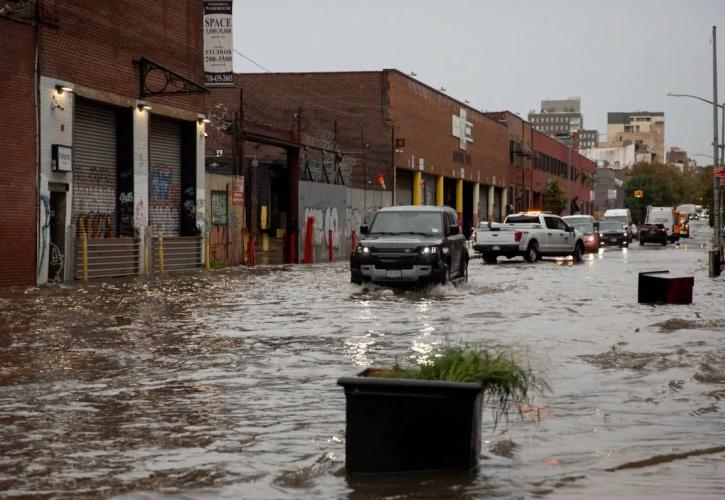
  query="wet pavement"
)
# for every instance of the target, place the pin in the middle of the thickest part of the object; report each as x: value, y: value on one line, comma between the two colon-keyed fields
x: 223, y: 383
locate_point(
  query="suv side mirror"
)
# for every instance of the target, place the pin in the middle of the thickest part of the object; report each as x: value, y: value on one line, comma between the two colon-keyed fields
x: 454, y: 230
x: 364, y: 229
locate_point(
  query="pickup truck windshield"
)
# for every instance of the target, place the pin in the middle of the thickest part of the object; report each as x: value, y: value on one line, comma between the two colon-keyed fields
x: 523, y: 219
x: 407, y: 222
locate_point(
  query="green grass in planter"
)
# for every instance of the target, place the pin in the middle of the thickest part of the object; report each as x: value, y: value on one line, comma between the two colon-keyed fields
x: 503, y: 378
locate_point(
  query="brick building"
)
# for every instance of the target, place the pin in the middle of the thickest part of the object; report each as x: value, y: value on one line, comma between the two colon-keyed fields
x: 18, y: 177
x: 534, y: 158
x: 119, y: 150
x: 349, y: 143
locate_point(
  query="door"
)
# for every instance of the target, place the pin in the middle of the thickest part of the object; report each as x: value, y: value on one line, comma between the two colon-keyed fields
x: 566, y: 238
x: 165, y: 177
x: 403, y: 187
x: 56, y: 262
x: 553, y: 239
x: 455, y: 243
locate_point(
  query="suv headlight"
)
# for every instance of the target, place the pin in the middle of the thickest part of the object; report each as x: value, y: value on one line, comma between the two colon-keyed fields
x: 429, y: 250
x: 362, y: 249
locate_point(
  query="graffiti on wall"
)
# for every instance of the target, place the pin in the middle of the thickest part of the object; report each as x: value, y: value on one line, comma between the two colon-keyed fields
x: 326, y: 220
x: 44, y: 228
x: 95, y: 224
x: 125, y: 213
x: 164, y: 196
x: 95, y: 197
x: 139, y: 216
x: 57, y: 261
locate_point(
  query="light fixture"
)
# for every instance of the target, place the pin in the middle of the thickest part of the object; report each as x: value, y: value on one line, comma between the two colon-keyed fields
x: 142, y: 106
x: 202, y: 119
x: 61, y: 88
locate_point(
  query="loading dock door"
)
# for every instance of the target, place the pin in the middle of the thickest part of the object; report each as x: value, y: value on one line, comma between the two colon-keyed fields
x: 95, y: 170
x: 165, y: 177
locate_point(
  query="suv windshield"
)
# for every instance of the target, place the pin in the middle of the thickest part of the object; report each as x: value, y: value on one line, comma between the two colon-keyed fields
x: 610, y: 225
x: 620, y: 219
x: 428, y: 223
x: 522, y: 219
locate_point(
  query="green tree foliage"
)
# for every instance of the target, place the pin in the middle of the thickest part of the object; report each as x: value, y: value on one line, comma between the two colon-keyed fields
x: 554, y: 197
x: 662, y: 186
x: 703, y: 190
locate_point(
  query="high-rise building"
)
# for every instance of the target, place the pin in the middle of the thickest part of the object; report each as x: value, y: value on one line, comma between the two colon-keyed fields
x: 562, y: 119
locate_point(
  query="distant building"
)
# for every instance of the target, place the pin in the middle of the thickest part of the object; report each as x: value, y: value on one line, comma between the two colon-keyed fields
x: 644, y: 129
x: 678, y: 157
x: 562, y: 119
x: 616, y: 158
x: 609, y: 191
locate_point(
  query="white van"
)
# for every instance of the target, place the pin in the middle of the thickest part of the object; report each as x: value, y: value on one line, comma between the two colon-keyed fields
x: 664, y: 216
x: 624, y: 216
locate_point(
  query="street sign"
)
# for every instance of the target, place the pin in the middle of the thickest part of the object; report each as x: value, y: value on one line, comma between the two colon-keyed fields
x: 720, y: 172
x: 638, y: 193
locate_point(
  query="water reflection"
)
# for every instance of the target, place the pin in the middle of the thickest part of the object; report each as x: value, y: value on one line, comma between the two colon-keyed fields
x: 223, y: 383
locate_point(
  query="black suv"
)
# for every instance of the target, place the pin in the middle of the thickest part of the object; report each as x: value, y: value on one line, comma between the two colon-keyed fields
x: 410, y: 244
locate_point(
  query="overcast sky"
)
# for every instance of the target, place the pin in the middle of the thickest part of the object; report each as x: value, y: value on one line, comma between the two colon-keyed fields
x: 617, y: 55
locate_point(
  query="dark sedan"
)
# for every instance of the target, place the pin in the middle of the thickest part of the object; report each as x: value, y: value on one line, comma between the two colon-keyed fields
x: 613, y: 233
x: 653, y: 233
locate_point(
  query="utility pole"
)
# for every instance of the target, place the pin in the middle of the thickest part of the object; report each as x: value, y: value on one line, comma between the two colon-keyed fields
x: 715, y: 251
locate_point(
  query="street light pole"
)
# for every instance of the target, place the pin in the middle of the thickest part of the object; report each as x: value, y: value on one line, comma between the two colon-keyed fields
x: 715, y: 256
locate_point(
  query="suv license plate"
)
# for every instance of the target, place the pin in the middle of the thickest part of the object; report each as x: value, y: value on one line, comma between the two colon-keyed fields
x: 394, y: 274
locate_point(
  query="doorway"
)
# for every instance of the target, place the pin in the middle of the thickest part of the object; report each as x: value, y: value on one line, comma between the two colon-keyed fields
x: 56, y: 262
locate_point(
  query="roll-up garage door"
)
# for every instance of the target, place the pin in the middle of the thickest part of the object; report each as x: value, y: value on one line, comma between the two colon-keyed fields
x: 165, y: 177
x: 94, y: 170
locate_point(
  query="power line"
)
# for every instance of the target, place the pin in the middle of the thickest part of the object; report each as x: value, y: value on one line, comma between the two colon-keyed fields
x: 252, y: 61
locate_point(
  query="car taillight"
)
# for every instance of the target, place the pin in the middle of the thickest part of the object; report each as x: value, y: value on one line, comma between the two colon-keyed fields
x: 518, y: 235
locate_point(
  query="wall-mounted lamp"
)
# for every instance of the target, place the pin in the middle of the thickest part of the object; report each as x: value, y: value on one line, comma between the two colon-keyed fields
x: 142, y: 106
x: 202, y: 119
x: 63, y: 88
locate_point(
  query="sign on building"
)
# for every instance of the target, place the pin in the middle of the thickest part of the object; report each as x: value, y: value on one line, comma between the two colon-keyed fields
x: 611, y: 194
x: 219, y: 207
x: 462, y: 128
x: 218, y: 43
x: 238, y: 190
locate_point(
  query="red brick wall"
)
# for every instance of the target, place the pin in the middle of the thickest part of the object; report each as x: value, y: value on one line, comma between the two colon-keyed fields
x: 94, y: 43
x: 422, y: 116
x: 18, y: 177
x: 346, y: 107
x: 545, y: 144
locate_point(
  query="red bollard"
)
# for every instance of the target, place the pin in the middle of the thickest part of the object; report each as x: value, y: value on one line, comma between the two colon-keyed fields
x: 329, y: 246
x: 309, y: 236
x: 354, y: 241
x: 293, y: 248
x: 250, y: 250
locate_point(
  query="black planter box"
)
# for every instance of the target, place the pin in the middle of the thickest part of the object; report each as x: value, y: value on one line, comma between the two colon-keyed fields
x: 397, y: 425
x: 654, y: 287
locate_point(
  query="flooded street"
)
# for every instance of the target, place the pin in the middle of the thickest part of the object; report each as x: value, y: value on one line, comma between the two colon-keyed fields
x: 223, y: 383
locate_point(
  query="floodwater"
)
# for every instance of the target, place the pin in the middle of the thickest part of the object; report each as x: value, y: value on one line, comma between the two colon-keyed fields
x: 223, y: 383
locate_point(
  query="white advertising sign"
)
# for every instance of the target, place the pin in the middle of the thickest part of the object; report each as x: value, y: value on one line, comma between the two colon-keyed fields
x: 218, y: 43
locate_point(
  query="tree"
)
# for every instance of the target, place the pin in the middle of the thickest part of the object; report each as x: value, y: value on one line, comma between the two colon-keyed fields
x: 662, y: 186
x: 554, y: 197
x: 703, y: 194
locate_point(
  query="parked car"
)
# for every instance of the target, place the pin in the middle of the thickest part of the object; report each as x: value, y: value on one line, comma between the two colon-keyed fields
x: 613, y: 233
x: 588, y: 227
x: 530, y: 235
x: 410, y: 244
x: 653, y: 233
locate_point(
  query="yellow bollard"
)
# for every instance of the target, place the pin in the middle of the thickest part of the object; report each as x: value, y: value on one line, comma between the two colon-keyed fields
x: 84, y: 250
x: 439, y: 191
x: 161, y: 254
x: 265, y: 242
x: 206, y: 253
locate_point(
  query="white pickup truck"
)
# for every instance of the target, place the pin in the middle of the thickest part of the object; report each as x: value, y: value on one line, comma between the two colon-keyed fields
x: 531, y: 235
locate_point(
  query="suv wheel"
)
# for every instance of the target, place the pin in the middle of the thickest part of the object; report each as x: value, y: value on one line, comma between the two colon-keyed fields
x: 532, y: 252
x: 445, y: 274
x: 464, y: 270
x: 489, y: 258
x: 578, y: 252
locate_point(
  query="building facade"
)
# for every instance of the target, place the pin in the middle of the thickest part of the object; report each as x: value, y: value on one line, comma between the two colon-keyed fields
x: 343, y: 144
x: 644, y: 129
x: 119, y: 139
x: 558, y: 117
x: 534, y: 158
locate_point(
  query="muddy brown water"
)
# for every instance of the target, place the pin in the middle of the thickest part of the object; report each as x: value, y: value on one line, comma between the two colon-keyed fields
x: 222, y: 384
